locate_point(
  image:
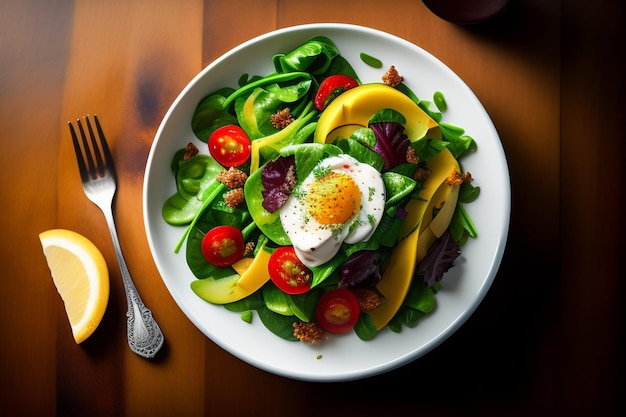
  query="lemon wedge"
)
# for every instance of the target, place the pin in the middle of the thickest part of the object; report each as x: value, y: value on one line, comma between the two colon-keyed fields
x: 81, y: 277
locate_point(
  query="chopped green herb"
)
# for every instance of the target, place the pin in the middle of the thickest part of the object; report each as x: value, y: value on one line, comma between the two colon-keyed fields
x: 246, y: 316
x: 440, y: 101
x: 321, y: 170
x: 371, y: 61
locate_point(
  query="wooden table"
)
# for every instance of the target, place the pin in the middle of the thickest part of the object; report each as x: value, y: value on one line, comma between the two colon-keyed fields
x: 546, y: 338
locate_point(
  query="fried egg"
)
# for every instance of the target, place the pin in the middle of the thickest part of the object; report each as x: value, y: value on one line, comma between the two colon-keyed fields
x: 341, y: 200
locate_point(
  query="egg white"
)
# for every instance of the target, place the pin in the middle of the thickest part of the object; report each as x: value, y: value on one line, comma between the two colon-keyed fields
x: 316, y: 243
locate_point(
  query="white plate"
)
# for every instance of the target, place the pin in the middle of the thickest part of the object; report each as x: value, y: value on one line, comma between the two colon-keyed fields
x: 342, y: 357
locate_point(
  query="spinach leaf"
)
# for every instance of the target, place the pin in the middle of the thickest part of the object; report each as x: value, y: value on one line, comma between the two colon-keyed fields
x: 360, y: 152
x: 386, y: 234
x: 196, y: 261
x: 365, y: 136
x: 435, y: 115
x: 458, y: 142
x: 276, y: 300
x: 304, y: 305
x: 245, y: 79
x: 428, y: 148
x: 308, y: 155
x: 195, y: 180
x: 211, y: 114
x: 246, y: 89
x: 424, y: 105
x: 462, y: 227
x: 410, y: 316
x: 254, y: 111
x: 420, y: 297
x: 290, y: 93
x: 365, y: 328
x: 252, y: 302
x: 408, y: 170
x: 397, y: 187
x: 370, y: 244
x: 340, y: 65
x: 387, y: 115
x: 301, y: 306
x: 268, y: 223
x: 313, y: 56
x: 281, y: 326
x: 177, y: 161
x: 324, y: 271
x: 304, y: 133
x: 468, y: 192
x: 217, y: 189
x: 395, y: 324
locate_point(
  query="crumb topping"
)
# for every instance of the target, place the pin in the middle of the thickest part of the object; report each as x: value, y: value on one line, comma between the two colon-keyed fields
x: 190, y: 151
x: 308, y: 332
x: 392, y: 77
x: 421, y: 174
x: 456, y: 178
x: 248, y: 249
x: 233, y: 178
x: 234, y: 197
x: 369, y: 298
x: 411, y: 157
x: 282, y: 118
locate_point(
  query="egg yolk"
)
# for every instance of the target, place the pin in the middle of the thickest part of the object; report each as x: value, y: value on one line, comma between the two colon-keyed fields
x: 333, y: 198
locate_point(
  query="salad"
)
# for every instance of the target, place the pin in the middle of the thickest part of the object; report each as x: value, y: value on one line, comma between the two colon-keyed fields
x: 322, y: 204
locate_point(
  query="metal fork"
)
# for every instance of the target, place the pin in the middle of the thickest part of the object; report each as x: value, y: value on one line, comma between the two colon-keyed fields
x: 97, y: 173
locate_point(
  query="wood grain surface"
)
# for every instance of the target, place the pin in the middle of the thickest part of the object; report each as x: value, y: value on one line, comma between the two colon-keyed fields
x: 546, y: 339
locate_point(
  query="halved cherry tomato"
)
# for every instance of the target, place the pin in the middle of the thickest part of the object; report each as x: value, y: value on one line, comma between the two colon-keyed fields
x: 288, y: 272
x: 331, y: 87
x: 223, y: 245
x: 230, y: 146
x: 338, y: 310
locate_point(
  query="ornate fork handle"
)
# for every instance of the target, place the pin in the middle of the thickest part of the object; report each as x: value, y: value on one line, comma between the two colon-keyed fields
x: 144, y: 334
x: 97, y: 173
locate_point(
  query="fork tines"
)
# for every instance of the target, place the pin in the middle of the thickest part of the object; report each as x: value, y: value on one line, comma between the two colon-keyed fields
x: 93, y: 154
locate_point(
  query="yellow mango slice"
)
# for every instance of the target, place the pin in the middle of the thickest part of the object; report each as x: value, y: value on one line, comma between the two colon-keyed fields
x: 396, y: 280
x: 417, y: 236
x: 439, y: 224
x: 256, y: 275
x: 450, y: 196
x: 242, y: 265
x: 342, y: 132
x: 357, y: 105
x: 441, y: 166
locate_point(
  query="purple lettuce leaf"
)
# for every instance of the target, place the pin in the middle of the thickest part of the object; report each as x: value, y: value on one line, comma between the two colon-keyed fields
x: 278, y: 180
x: 361, y: 268
x: 391, y: 142
x: 439, y: 259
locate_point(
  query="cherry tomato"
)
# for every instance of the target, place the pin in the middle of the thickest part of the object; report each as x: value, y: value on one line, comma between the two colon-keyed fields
x: 331, y: 87
x: 338, y: 310
x: 288, y: 272
x: 223, y: 245
x: 230, y: 146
